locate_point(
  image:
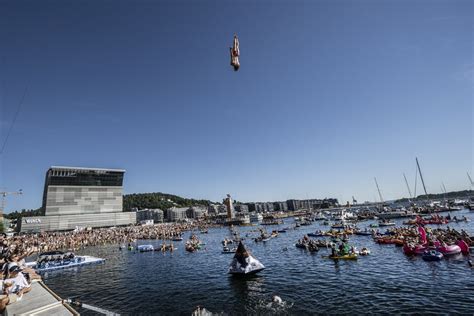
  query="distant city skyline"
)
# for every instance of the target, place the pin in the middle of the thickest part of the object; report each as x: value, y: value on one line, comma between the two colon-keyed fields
x: 329, y: 95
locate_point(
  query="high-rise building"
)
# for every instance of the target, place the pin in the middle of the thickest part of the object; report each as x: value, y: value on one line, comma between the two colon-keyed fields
x: 80, y: 197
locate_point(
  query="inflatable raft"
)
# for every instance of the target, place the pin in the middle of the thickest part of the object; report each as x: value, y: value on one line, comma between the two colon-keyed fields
x: 343, y: 257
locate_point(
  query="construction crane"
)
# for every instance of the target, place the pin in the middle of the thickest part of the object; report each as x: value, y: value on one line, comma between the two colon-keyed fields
x: 4, y: 196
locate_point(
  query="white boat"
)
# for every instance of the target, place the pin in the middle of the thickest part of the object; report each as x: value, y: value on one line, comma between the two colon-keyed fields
x: 227, y: 250
x: 244, y: 263
x: 319, y: 217
x: 256, y: 217
x: 396, y: 214
x: 386, y: 223
x: 57, y: 260
x: 145, y: 248
x: 245, y: 219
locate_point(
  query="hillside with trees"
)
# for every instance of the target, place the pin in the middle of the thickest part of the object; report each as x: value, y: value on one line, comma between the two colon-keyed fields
x: 24, y: 213
x: 158, y: 200
x: 448, y: 195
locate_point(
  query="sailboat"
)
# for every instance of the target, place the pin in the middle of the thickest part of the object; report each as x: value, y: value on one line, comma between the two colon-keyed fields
x: 244, y: 263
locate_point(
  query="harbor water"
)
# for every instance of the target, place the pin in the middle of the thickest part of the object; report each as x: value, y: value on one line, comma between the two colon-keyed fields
x: 385, y: 282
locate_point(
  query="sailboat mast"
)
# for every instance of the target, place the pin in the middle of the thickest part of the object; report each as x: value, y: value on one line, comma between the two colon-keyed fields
x: 421, y: 176
x: 408, y: 187
x: 416, y: 179
x: 378, y: 189
x: 470, y: 180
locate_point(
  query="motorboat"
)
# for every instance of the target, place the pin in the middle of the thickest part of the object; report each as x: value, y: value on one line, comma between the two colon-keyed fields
x: 256, y: 217
x: 226, y: 250
x: 338, y: 226
x: 316, y: 234
x: 432, y: 255
x: 396, y: 214
x: 363, y: 233
x: 56, y: 260
x: 319, y: 217
x: 244, y: 263
x: 145, y: 248
x: 386, y: 223
x: 309, y: 245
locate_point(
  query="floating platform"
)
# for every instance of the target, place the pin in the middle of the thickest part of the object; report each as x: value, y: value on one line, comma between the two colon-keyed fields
x: 87, y: 261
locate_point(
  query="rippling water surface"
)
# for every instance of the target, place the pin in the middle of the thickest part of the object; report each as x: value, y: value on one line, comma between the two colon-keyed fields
x: 385, y: 282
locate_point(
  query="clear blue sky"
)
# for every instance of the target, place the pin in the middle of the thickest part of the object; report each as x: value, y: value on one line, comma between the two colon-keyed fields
x: 329, y: 95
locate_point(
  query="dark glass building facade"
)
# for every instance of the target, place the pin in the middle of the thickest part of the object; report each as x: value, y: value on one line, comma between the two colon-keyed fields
x: 84, y: 177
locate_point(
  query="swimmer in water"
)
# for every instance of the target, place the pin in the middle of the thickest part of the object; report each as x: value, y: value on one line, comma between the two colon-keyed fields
x: 276, y: 299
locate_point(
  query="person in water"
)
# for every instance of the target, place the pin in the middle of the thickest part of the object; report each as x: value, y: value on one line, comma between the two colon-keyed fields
x: 277, y: 300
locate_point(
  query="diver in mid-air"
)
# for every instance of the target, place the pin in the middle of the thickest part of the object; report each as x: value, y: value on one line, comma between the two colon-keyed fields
x: 234, y: 54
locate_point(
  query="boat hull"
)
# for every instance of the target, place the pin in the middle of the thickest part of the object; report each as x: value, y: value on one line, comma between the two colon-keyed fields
x: 345, y: 257
x: 88, y: 260
x: 236, y: 273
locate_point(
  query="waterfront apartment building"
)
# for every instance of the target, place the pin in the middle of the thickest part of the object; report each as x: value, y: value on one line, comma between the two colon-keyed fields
x: 255, y: 207
x: 294, y: 205
x: 196, y: 212
x: 155, y: 214
x: 80, y: 197
x: 260, y: 207
x: 176, y: 214
x: 280, y: 206
x: 222, y: 209
x: 241, y: 208
x: 213, y: 209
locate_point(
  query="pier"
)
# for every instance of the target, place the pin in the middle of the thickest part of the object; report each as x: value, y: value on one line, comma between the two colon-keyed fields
x: 40, y: 301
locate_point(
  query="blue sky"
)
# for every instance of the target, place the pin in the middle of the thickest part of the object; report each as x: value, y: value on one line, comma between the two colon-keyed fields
x: 329, y: 95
